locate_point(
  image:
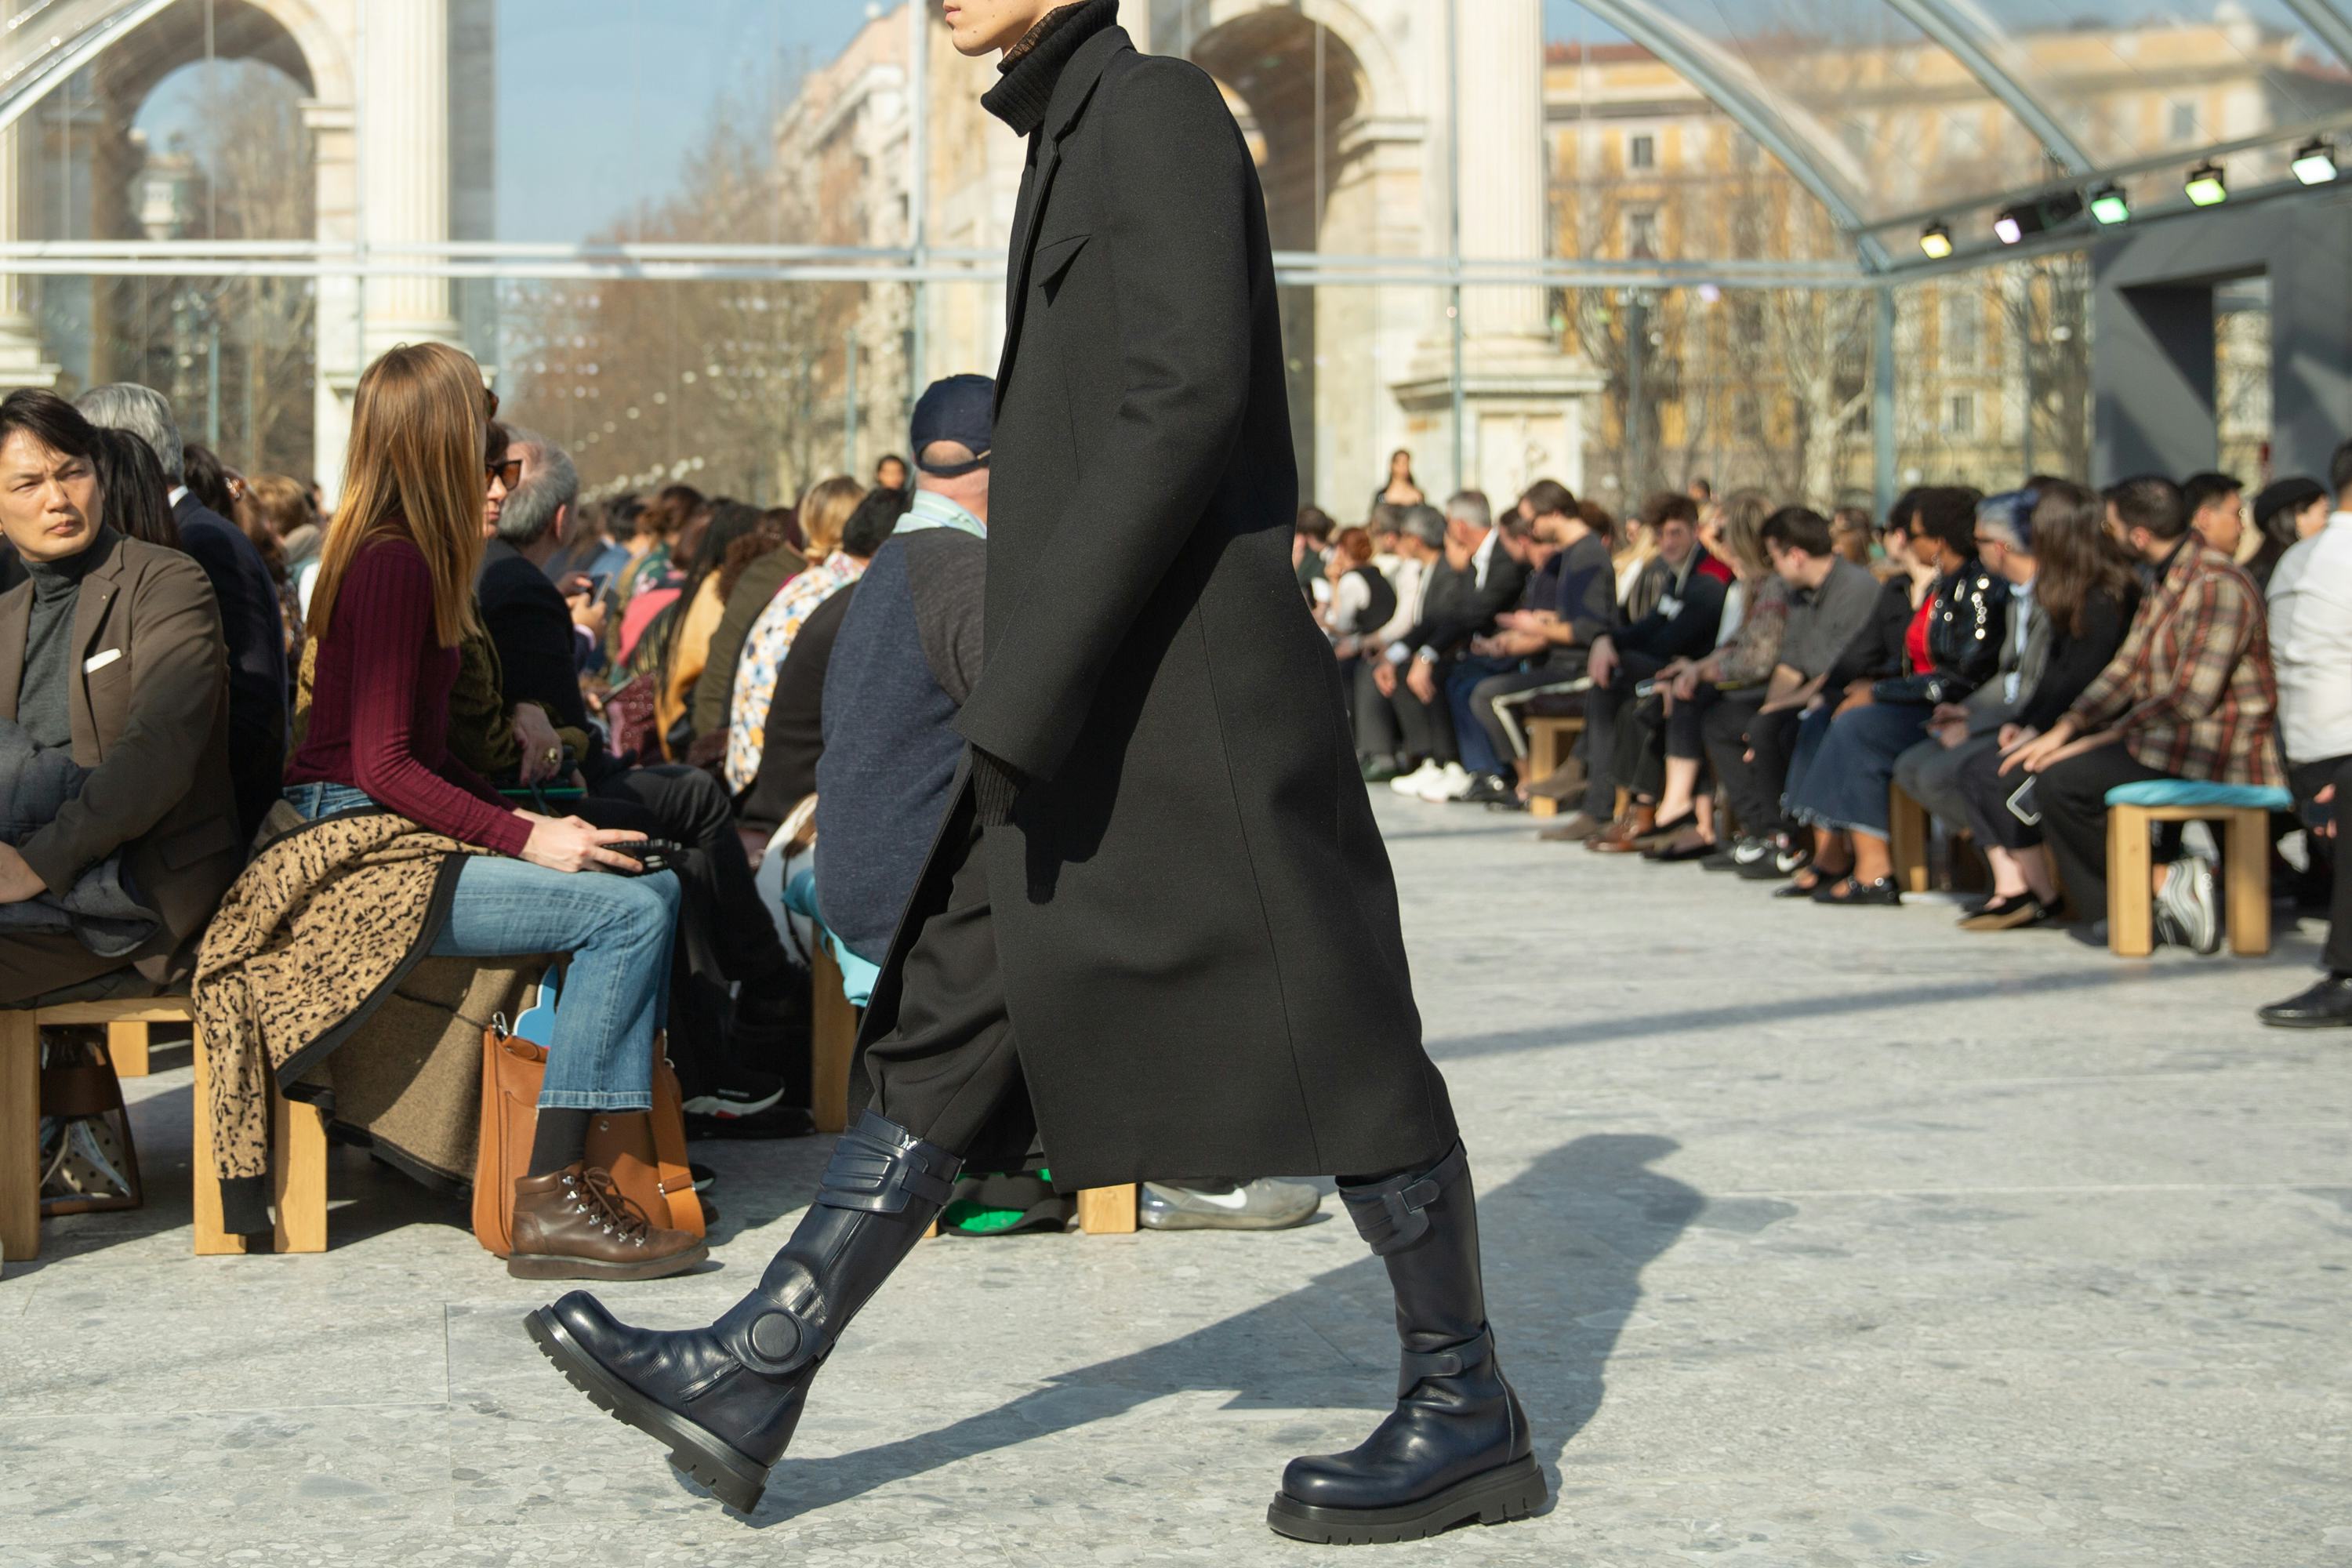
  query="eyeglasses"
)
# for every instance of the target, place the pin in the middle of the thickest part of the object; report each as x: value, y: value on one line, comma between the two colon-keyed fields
x: 1991, y: 542
x: 508, y: 473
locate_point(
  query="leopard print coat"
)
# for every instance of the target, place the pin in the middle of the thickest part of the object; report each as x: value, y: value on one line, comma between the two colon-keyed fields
x: 318, y: 930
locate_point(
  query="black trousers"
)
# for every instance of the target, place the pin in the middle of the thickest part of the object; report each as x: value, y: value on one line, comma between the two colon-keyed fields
x: 1403, y: 724
x: 1986, y: 792
x: 2074, y: 800
x: 1732, y: 728
x: 725, y: 932
x: 950, y: 1069
x: 1603, y: 707
x: 2308, y: 779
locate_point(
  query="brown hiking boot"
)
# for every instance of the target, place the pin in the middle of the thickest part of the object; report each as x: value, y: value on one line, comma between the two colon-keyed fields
x: 1575, y: 830
x: 1625, y: 835
x: 573, y: 1224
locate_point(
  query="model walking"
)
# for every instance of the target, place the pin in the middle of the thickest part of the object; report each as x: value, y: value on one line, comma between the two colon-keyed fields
x: 1159, y: 916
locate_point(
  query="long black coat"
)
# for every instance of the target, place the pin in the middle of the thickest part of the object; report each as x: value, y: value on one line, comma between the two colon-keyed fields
x: 1194, y: 915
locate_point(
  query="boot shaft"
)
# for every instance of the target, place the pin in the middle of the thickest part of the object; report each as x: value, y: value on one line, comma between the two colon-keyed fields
x: 1424, y: 1227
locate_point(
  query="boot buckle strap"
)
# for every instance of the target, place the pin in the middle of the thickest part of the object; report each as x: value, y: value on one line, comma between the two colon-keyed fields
x: 877, y: 1169
x: 1452, y: 1362
x: 1394, y: 1215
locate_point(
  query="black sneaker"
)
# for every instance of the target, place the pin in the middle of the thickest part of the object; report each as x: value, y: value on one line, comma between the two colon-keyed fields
x: 1774, y: 861
x: 1490, y: 789
x: 775, y: 1121
x: 1725, y: 858
x: 2326, y: 1005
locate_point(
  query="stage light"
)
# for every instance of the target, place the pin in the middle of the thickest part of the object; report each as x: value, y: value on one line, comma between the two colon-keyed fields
x: 2110, y: 206
x: 2046, y: 212
x: 2315, y: 162
x: 2010, y: 227
x: 2207, y: 186
x: 1936, y: 240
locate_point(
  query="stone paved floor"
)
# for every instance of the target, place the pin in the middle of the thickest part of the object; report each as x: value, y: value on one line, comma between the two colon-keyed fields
x: 1815, y: 1237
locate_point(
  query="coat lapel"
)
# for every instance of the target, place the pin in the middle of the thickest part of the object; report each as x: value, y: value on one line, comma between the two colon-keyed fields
x: 99, y: 591
x: 1076, y: 85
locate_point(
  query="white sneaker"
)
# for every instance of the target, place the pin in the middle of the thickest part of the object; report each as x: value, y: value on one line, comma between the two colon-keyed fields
x: 1413, y: 783
x: 2191, y: 901
x: 1452, y: 783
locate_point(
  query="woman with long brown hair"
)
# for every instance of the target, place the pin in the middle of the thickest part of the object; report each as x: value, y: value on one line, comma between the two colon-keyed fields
x: 394, y: 599
x: 2085, y: 585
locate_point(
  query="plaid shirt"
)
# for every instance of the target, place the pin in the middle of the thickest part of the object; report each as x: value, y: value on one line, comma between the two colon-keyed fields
x: 2192, y: 689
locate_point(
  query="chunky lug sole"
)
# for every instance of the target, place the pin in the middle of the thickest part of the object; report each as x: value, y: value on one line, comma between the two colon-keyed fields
x: 732, y: 1478
x: 550, y: 1266
x: 1498, y: 1497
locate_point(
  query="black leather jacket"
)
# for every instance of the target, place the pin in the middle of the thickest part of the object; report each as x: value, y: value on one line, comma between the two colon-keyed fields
x: 1964, y: 626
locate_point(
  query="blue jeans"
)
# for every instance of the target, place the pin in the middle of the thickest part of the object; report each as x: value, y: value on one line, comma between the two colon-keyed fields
x: 1478, y: 754
x: 618, y: 931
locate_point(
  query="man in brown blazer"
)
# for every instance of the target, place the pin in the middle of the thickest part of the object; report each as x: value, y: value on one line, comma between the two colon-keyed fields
x: 113, y: 649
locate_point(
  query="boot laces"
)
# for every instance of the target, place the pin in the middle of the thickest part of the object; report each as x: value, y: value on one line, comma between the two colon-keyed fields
x: 593, y: 1193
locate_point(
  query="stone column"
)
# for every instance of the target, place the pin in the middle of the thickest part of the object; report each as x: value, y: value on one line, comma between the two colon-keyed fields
x: 405, y: 129
x: 1504, y: 209
x: 22, y: 363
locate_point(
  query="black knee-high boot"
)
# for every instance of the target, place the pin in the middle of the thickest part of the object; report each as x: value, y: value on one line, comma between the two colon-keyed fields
x: 1457, y: 1448
x: 727, y: 1398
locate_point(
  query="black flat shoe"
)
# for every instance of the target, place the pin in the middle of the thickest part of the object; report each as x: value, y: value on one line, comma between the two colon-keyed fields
x: 2018, y: 913
x: 2326, y: 1005
x: 1881, y: 894
x: 1666, y: 831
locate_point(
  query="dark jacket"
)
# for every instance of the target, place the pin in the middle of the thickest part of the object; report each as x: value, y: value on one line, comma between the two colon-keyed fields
x: 152, y: 725
x: 530, y: 625
x: 757, y: 585
x: 1194, y: 916
x: 253, y: 627
x: 1460, y: 607
x: 908, y: 655
x: 1683, y: 621
x: 1968, y: 613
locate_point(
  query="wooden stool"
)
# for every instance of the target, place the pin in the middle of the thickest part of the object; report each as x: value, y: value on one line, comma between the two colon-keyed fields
x: 2246, y: 864
x: 1549, y: 740
x: 299, y: 1134
x: 1906, y: 840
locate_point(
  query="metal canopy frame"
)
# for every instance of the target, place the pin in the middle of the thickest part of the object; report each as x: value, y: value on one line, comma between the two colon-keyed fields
x: 34, y: 65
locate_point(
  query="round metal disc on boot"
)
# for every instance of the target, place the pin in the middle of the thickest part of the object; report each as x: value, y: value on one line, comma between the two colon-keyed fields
x: 776, y: 1337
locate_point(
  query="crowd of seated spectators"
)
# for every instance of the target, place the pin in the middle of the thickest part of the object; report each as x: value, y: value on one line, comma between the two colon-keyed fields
x: 1760, y: 686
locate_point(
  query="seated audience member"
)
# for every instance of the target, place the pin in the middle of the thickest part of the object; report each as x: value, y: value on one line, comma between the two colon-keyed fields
x: 2311, y: 642
x: 731, y: 939
x: 818, y: 522
x: 1568, y: 606
x: 2190, y: 695
x: 394, y: 602
x: 1478, y: 580
x: 2084, y: 592
x: 1360, y: 600
x: 1680, y: 625
x: 700, y: 608
x: 250, y: 620
x: 1748, y: 645
x: 907, y: 655
x: 280, y: 511
x: 1950, y: 647
x: 2217, y: 509
x: 2286, y: 513
x: 795, y: 737
x: 770, y: 638
x: 1392, y: 724
x: 1831, y: 601
x: 1852, y: 533
x: 1634, y: 546
x: 113, y: 727
x: 1958, y: 733
x: 1310, y: 550
x: 890, y: 472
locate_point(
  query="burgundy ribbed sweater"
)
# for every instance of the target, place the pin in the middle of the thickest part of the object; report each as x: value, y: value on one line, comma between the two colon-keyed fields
x: 380, y: 706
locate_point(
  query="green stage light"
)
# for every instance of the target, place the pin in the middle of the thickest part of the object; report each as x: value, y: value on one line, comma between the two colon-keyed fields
x: 2315, y: 162
x: 2207, y: 186
x: 2110, y: 206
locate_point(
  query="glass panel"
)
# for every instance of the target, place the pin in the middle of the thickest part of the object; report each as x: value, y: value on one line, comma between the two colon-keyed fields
x: 1993, y: 378
x: 2134, y: 78
x: 2242, y: 379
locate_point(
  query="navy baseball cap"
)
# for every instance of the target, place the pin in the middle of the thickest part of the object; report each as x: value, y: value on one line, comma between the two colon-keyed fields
x: 959, y: 408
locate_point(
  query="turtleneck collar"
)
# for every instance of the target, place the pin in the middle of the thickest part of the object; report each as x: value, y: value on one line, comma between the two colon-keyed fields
x: 57, y: 579
x: 1033, y: 66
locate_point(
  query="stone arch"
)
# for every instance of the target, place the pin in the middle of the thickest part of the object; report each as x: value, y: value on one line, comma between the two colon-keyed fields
x: 1317, y: 167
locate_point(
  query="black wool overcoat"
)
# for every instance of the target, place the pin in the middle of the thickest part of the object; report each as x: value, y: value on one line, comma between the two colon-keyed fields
x: 1193, y: 910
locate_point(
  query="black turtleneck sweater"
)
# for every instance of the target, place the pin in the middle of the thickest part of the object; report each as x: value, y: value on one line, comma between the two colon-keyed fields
x: 1033, y: 66
x: 43, y: 700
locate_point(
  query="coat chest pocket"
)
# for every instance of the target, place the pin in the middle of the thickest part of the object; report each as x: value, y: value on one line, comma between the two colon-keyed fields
x: 110, y: 698
x: 1052, y: 262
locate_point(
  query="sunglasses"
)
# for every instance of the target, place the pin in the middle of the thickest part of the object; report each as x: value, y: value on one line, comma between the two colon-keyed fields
x: 509, y: 472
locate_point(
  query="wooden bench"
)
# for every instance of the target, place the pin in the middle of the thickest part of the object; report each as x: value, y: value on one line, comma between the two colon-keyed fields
x: 833, y: 1048
x: 2246, y: 874
x: 1550, y: 741
x: 1908, y: 832
x: 299, y: 1134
